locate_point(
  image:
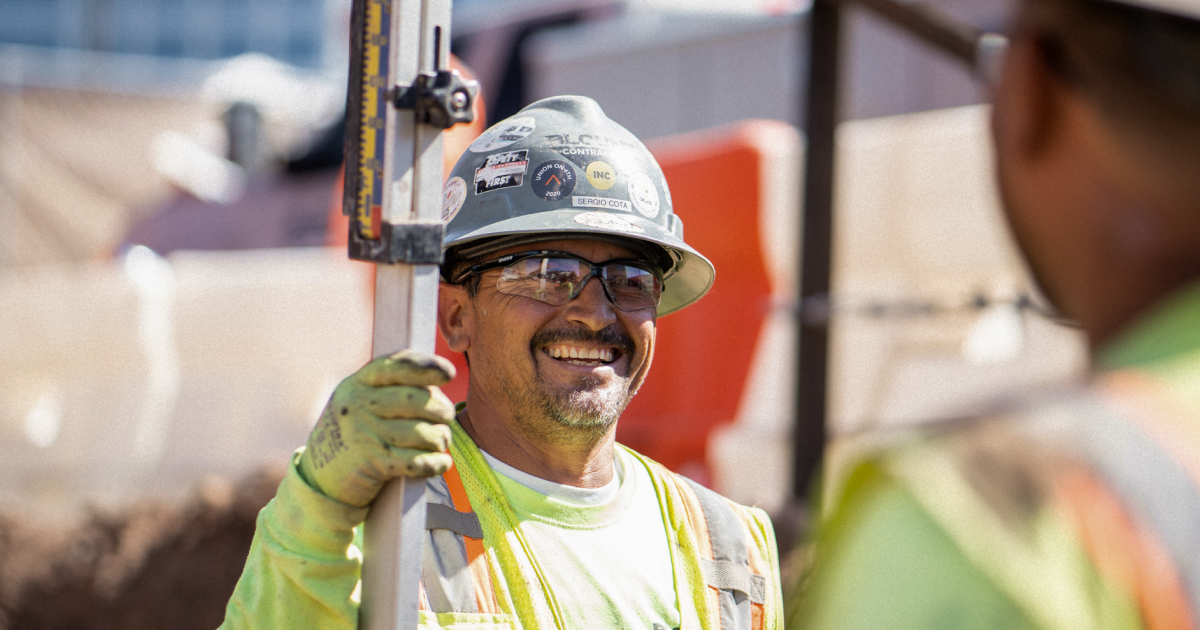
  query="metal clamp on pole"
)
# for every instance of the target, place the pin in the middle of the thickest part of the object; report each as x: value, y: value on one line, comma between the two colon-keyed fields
x: 414, y: 243
x: 439, y: 100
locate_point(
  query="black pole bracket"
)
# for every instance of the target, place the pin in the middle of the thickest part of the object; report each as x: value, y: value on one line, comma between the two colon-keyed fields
x: 439, y: 100
x: 416, y: 243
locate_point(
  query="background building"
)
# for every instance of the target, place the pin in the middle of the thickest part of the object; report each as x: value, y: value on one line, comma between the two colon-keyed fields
x: 127, y: 122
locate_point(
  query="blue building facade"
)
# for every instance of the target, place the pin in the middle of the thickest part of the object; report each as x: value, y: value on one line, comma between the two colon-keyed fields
x: 289, y: 30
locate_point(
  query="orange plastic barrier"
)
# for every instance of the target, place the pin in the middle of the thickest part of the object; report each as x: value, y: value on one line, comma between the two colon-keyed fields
x: 704, y: 351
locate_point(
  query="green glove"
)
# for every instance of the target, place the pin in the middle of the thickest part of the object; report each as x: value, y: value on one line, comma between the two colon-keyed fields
x: 387, y: 420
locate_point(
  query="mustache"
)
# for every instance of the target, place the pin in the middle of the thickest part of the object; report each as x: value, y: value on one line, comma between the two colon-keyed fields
x: 606, y: 337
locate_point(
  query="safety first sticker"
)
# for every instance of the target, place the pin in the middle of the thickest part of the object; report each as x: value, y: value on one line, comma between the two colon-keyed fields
x: 606, y: 221
x: 503, y: 134
x: 453, y: 196
x: 501, y: 170
x: 644, y: 195
x: 601, y: 203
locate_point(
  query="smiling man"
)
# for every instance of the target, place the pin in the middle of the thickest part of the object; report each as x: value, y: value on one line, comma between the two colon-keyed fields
x: 562, y: 250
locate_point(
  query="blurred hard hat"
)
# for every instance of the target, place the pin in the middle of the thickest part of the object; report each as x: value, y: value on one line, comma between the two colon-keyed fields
x: 1182, y: 8
x: 561, y: 169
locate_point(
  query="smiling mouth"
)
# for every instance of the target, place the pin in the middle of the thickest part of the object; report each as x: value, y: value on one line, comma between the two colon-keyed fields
x: 578, y: 355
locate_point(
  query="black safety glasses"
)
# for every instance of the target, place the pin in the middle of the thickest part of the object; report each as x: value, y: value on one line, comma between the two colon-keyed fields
x: 558, y: 277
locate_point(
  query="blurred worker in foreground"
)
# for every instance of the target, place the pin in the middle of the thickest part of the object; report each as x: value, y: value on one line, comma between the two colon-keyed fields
x: 1080, y: 509
x: 561, y: 252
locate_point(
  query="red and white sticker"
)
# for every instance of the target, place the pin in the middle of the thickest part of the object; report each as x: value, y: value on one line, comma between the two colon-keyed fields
x: 453, y: 195
x: 507, y: 163
x: 605, y: 221
x: 643, y: 194
x: 602, y: 203
x: 503, y: 134
x: 501, y: 170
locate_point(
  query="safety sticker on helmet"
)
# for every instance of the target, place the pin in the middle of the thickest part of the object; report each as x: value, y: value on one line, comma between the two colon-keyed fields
x: 553, y: 180
x: 501, y: 170
x: 503, y: 135
x: 607, y: 222
x: 644, y: 195
x: 453, y: 196
x: 601, y: 202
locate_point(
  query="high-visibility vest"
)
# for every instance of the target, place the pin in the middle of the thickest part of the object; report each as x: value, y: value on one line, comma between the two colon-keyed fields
x: 478, y: 571
x: 1117, y: 464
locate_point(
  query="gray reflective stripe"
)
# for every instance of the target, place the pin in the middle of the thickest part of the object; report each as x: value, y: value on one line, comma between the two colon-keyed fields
x: 734, y: 577
x: 1149, y: 482
x: 448, y: 583
x: 730, y: 566
x: 438, y: 516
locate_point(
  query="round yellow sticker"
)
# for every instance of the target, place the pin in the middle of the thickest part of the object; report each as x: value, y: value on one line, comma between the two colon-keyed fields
x: 600, y: 175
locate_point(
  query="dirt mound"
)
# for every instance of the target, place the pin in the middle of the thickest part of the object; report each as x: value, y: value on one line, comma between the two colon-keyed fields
x: 154, y: 565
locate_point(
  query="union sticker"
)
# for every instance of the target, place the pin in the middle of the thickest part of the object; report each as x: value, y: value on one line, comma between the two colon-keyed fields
x: 553, y: 180
x: 453, y: 196
x: 503, y: 134
x: 644, y: 195
x: 603, y: 203
x: 607, y: 221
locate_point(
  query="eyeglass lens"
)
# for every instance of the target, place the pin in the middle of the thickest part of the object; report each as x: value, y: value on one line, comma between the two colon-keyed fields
x: 558, y: 280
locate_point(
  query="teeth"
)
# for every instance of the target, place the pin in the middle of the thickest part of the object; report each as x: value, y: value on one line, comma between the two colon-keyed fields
x: 584, y: 354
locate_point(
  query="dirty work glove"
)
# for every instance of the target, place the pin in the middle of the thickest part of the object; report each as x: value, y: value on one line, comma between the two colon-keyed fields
x: 387, y: 420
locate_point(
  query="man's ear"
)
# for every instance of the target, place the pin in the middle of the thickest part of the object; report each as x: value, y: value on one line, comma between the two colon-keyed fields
x: 455, y: 318
x: 1027, y: 109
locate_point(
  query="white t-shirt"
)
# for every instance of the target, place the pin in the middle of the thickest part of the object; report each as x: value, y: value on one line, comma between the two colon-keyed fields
x: 603, y: 550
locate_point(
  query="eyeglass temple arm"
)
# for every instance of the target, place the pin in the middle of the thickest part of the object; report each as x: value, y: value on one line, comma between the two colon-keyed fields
x: 974, y: 47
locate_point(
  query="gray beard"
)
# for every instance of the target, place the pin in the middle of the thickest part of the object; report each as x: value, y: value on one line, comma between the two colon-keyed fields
x: 583, y: 414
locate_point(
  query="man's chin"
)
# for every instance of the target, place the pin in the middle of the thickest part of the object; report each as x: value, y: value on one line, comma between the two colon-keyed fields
x: 588, y: 408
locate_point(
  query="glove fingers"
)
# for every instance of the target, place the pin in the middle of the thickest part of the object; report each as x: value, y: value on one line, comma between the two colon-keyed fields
x: 406, y: 462
x: 415, y: 435
x: 407, y: 368
x: 398, y: 401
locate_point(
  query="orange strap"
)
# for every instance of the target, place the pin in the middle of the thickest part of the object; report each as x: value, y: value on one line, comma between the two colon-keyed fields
x: 1124, y: 552
x: 477, y: 563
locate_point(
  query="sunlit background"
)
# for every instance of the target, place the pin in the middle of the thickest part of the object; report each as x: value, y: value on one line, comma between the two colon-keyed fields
x: 170, y: 311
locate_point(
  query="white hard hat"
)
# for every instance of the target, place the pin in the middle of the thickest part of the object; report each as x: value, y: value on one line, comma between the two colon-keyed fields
x: 562, y: 169
x: 1183, y: 8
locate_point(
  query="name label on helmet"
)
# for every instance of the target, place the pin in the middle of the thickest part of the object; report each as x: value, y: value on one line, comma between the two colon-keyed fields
x: 602, y: 203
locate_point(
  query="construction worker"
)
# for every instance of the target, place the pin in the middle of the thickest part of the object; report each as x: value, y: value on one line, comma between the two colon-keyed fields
x: 562, y: 250
x: 1076, y: 508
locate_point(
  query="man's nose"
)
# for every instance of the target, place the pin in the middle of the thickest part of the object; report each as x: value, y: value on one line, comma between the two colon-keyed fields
x: 592, y: 307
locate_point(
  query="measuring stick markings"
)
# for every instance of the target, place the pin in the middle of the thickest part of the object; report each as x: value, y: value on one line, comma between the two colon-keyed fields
x: 373, y: 120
